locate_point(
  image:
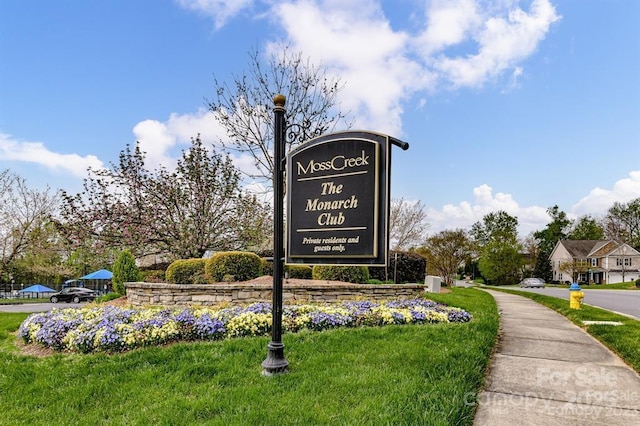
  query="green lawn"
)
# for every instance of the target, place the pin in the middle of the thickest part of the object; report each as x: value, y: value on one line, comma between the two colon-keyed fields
x: 390, y: 375
x: 623, y: 340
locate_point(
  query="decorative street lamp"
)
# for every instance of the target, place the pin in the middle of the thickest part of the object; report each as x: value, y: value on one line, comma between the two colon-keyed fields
x: 276, y: 363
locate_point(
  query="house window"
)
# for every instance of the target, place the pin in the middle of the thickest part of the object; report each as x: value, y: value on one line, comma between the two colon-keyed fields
x: 594, y: 262
x: 623, y: 261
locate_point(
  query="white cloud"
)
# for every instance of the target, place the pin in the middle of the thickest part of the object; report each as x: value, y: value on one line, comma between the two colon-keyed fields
x: 600, y: 200
x: 160, y: 139
x: 503, y: 42
x: 532, y: 218
x: 36, y: 152
x: 484, y: 202
x: 448, y: 23
x: 220, y: 10
x: 463, y: 43
x: 356, y: 43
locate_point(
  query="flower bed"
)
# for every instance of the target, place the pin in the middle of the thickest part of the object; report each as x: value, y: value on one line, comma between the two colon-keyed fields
x: 117, y: 329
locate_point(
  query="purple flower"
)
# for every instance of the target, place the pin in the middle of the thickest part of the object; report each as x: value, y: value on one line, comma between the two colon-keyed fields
x: 208, y: 328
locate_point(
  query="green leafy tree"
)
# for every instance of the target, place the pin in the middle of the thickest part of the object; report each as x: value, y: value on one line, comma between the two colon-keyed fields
x: 557, y: 229
x: 181, y: 214
x: 496, y: 241
x: 542, y: 268
x: 446, y: 251
x: 586, y: 228
x: 494, y: 225
x: 124, y: 270
x: 500, y: 262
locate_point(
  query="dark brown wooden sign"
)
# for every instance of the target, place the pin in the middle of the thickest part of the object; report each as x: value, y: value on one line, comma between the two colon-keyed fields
x: 338, y: 200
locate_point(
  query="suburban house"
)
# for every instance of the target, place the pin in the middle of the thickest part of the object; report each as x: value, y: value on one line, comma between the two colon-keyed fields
x: 594, y: 261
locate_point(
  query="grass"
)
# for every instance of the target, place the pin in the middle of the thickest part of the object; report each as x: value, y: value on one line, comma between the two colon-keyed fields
x: 623, y: 340
x: 389, y: 375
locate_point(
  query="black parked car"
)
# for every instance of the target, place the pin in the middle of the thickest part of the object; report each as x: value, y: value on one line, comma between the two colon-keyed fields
x: 73, y: 294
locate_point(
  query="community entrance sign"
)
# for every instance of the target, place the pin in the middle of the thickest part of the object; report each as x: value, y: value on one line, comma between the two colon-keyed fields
x: 337, y: 210
x: 338, y: 199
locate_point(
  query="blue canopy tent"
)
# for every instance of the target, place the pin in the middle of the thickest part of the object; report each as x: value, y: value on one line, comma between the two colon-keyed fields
x: 101, y: 274
x: 37, y: 288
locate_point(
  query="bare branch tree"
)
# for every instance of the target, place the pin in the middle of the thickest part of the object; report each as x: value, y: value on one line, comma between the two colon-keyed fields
x: 244, y: 107
x: 22, y: 212
x: 407, y: 224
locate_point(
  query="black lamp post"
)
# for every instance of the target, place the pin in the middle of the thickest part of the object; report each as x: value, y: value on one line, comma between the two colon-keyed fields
x: 275, y: 362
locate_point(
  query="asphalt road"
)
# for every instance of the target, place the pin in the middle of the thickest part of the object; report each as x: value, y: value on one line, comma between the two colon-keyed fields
x: 626, y: 302
x: 37, y: 307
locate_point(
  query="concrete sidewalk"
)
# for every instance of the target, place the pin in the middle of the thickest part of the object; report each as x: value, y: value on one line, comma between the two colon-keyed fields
x: 547, y: 371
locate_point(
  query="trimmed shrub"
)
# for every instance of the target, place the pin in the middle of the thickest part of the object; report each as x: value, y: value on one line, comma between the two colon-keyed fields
x: 233, y: 266
x: 186, y: 271
x: 350, y: 274
x: 153, y: 275
x: 410, y: 267
x: 267, y: 266
x: 107, y: 297
x: 301, y: 272
x: 124, y: 270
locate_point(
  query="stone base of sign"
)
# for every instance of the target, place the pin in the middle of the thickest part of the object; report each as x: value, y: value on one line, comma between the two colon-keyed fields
x: 142, y: 294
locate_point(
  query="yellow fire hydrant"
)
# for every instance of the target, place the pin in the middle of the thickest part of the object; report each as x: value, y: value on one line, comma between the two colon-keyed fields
x: 575, y: 296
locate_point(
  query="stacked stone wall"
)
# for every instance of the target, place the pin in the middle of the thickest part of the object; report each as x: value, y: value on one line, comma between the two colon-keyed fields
x: 142, y: 294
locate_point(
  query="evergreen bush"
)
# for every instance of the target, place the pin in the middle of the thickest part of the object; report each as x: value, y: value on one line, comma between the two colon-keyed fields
x: 124, y: 270
x: 233, y: 266
x: 107, y: 297
x: 153, y: 275
x: 267, y: 266
x: 186, y: 271
x: 301, y: 272
x: 350, y: 274
x: 408, y: 267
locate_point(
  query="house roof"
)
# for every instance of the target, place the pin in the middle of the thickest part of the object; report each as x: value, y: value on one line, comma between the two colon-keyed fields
x: 580, y: 249
x: 583, y: 249
x: 604, y: 249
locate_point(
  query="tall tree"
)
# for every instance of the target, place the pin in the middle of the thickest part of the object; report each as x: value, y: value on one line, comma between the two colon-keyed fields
x: 623, y: 222
x: 531, y: 252
x: 493, y: 226
x: 243, y: 108
x: 407, y: 224
x: 496, y: 240
x: 124, y: 270
x: 23, y: 211
x: 446, y: 251
x: 586, y: 228
x: 183, y: 213
x: 556, y: 230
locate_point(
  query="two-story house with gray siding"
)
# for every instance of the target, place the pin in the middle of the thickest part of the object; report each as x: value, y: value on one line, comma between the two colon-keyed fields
x: 594, y: 261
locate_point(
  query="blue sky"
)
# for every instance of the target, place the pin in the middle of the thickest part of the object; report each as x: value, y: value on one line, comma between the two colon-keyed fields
x: 508, y: 105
